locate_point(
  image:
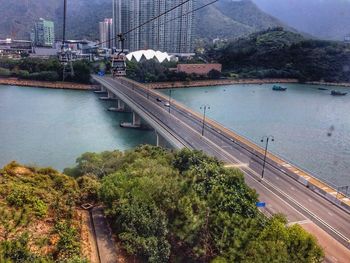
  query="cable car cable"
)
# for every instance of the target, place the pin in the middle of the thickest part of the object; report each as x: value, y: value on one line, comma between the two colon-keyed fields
x: 121, y: 35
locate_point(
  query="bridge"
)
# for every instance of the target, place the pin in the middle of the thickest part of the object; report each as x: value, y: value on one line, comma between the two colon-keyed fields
x: 285, y: 188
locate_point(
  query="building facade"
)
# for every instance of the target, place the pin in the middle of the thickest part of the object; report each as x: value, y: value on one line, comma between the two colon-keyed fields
x: 172, y: 33
x: 43, y: 34
x: 106, y: 33
x: 199, y: 69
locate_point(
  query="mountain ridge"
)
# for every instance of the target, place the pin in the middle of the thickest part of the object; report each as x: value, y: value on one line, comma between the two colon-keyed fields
x: 225, y: 19
x: 325, y: 19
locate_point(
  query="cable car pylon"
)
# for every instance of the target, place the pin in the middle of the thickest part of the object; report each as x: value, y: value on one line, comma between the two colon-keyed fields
x: 66, y: 56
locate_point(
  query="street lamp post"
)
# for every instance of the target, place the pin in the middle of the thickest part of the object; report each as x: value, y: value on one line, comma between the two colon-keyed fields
x: 204, y: 108
x: 266, y: 139
x: 170, y: 91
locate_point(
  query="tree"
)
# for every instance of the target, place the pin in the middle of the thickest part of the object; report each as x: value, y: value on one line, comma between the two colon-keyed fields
x: 186, y: 206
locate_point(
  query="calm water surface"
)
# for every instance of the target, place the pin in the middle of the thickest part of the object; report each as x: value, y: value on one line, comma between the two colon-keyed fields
x: 301, y: 120
x: 50, y: 127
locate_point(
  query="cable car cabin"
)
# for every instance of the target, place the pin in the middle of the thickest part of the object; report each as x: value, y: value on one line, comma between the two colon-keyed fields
x: 118, y: 65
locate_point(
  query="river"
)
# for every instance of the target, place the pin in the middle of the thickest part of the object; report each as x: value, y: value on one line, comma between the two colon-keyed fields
x: 48, y: 127
x: 311, y: 127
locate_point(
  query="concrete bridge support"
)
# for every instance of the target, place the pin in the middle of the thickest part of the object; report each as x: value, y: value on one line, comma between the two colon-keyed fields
x: 135, y: 124
x: 161, y: 142
x: 136, y: 119
x: 102, y: 90
x: 110, y: 96
x: 120, y: 107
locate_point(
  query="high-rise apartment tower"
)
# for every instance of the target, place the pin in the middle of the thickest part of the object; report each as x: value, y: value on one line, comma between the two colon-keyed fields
x: 173, y: 37
x: 43, y: 34
x: 106, y: 33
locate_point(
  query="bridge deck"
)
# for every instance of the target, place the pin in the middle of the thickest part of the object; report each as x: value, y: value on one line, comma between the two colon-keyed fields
x: 279, y: 189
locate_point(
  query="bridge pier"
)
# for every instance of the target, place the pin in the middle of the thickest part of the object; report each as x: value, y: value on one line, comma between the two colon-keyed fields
x: 136, y: 122
x: 110, y: 96
x: 102, y: 90
x: 161, y: 141
x: 121, y: 107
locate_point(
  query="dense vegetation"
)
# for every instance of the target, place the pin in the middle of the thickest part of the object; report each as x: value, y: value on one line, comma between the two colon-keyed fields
x: 229, y: 19
x: 153, y: 71
x: 43, y: 69
x: 186, y: 207
x: 38, y: 221
x: 276, y: 53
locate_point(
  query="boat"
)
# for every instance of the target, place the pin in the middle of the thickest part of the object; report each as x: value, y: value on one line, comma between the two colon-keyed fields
x: 278, y: 88
x: 322, y: 89
x: 338, y: 93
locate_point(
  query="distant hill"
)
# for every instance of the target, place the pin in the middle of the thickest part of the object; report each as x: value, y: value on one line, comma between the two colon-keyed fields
x: 277, y: 53
x: 18, y: 16
x: 225, y: 19
x: 231, y: 19
x: 325, y: 19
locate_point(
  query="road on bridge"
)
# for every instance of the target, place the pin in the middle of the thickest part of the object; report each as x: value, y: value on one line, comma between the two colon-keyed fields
x: 281, y: 193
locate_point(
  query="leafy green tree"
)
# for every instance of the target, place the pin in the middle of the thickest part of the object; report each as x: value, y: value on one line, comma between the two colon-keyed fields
x: 89, y: 187
x: 185, y: 206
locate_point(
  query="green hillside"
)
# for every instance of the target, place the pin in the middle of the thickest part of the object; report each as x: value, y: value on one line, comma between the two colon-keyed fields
x: 38, y: 219
x: 280, y: 53
x: 231, y: 19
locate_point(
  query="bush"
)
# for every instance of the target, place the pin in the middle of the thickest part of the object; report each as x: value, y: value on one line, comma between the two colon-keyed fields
x: 44, y: 76
x: 68, y: 245
x: 40, y: 208
x: 89, y: 187
x: 5, y: 72
x: 17, y: 250
x: 22, y: 74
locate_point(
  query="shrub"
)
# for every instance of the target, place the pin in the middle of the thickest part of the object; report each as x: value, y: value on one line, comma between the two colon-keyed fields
x: 4, y: 72
x: 40, y: 208
x: 44, y: 75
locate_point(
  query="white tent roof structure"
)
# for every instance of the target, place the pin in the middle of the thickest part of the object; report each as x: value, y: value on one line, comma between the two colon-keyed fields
x: 148, y: 55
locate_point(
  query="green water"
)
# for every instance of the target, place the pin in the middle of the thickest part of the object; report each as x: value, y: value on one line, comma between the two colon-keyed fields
x: 301, y: 120
x: 49, y: 127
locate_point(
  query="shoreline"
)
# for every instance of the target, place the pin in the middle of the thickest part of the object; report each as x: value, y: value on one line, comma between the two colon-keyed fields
x: 207, y: 83
x: 340, y: 84
x: 219, y: 82
x: 45, y: 84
